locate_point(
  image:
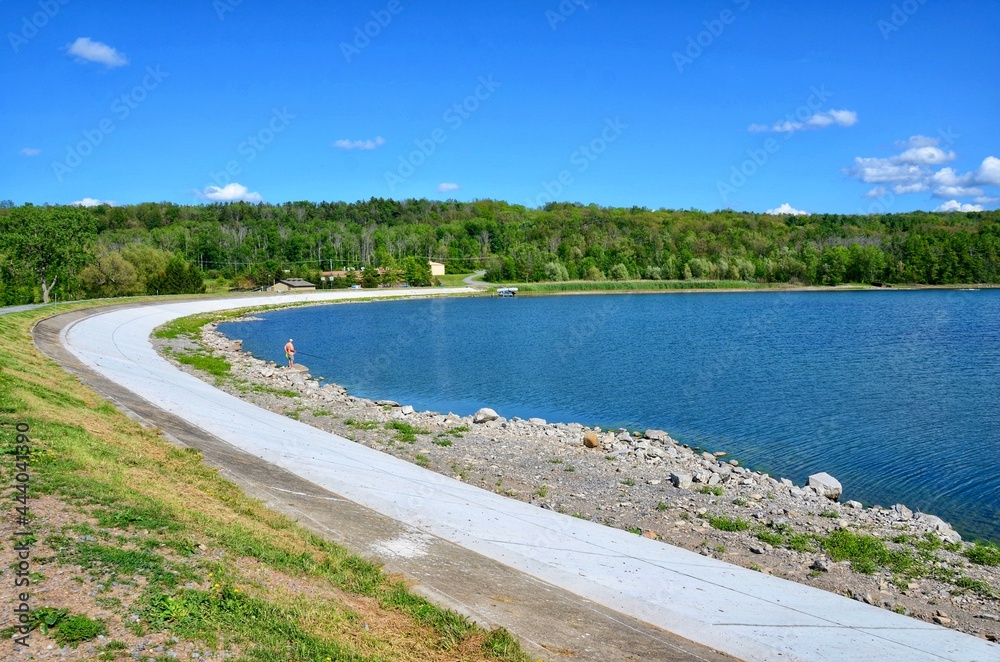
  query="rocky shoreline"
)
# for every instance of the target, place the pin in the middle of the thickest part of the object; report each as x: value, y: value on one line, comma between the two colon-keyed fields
x: 648, y: 483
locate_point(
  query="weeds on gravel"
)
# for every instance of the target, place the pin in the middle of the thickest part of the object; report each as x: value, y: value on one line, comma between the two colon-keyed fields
x: 983, y: 553
x: 360, y: 425
x: 710, y: 489
x: 723, y: 523
x: 405, y: 432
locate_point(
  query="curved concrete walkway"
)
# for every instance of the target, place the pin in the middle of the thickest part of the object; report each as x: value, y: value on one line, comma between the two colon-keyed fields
x: 725, y: 607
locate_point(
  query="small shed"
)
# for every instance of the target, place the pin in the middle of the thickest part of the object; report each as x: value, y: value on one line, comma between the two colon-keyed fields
x: 437, y: 269
x: 292, y: 285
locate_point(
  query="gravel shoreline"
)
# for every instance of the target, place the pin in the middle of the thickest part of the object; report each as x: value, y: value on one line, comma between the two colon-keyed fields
x: 647, y: 483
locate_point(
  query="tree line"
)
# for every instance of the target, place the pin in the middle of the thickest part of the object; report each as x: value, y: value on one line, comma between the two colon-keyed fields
x: 149, y: 248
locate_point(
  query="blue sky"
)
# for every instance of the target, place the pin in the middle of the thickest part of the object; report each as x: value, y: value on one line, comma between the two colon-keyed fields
x: 843, y: 107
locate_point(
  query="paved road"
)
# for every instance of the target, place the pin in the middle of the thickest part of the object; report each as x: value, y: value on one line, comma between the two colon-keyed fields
x: 426, y: 518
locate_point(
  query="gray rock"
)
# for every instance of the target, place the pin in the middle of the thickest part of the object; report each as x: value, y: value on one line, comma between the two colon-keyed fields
x: 821, y: 564
x: 681, y: 480
x: 537, y: 421
x: 406, y: 409
x: 826, y: 485
x: 854, y: 504
x: 902, y: 512
x: 656, y: 435
x: 484, y: 415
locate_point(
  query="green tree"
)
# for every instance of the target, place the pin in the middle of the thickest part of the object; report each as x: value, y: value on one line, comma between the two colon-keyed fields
x: 179, y: 277
x: 417, y: 271
x: 110, y: 275
x: 49, y: 242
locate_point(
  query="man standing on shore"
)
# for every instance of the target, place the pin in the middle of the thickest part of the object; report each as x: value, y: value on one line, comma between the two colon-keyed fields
x: 290, y: 353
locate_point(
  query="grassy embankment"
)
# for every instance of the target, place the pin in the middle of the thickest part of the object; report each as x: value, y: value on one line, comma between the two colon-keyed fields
x: 138, y: 539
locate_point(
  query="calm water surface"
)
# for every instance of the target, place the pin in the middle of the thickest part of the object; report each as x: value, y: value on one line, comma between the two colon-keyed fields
x: 897, y: 394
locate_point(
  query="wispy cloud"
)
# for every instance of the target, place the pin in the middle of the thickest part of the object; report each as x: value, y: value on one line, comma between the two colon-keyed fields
x: 92, y: 202
x: 85, y: 48
x: 30, y: 151
x: 787, y: 210
x: 447, y: 187
x: 911, y: 171
x: 230, y: 193
x: 366, y: 144
x: 820, y: 120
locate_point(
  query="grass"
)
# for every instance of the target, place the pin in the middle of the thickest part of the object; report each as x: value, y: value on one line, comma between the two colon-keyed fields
x: 213, y: 365
x: 143, y: 510
x: 711, y: 489
x: 983, y: 554
x: 360, y: 425
x: 405, y: 432
x: 453, y: 280
x: 723, y: 523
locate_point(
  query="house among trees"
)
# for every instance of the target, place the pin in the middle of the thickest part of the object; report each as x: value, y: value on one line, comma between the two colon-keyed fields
x: 292, y: 285
x: 437, y: 269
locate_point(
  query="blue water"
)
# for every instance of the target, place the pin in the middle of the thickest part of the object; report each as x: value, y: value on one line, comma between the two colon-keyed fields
x: 895, y: 393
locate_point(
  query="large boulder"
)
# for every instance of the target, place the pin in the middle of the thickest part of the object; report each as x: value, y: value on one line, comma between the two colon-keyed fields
x: 590, y: 440
x: 825, y: 485
x: 485, y: 415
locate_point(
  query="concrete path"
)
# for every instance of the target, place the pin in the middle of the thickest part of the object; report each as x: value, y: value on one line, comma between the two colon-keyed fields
x: 743, y: 613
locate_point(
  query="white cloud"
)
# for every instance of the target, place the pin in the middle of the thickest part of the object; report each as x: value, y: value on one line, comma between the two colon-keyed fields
x: 955, y: 205
x: 92, y: 202
x: 94, y: 51
x: 360, y: 144
x: 986, y: 200
x: 957, y: 191
x: 873, y: 170
x: 446, y: 187
x: 926, y: 155
x: 989, y: 172
x: 820, y: 120
x: 30, y: 151
x: 911, y: 171
x: 787, y: 210
x: 230, y: 193
x: 877, y: 192
x: 901, y: 189
x: 918, y: 141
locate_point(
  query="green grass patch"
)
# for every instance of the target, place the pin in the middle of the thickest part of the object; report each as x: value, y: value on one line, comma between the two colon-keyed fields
x: 983, y: 553
x: 457, y: 431
x: 405, y: 432
x: 213, y: 365
x: 723, y: 523
x: 422, y: 461
x: 715, y: 490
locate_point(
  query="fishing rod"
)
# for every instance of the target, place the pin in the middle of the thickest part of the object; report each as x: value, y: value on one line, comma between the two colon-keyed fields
x: 323, y: 358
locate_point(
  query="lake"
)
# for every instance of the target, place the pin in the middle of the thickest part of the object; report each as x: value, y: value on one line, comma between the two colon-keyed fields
x: 896, y: 393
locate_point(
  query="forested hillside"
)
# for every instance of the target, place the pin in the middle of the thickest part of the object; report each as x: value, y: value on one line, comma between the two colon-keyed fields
x: 73, y: 252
